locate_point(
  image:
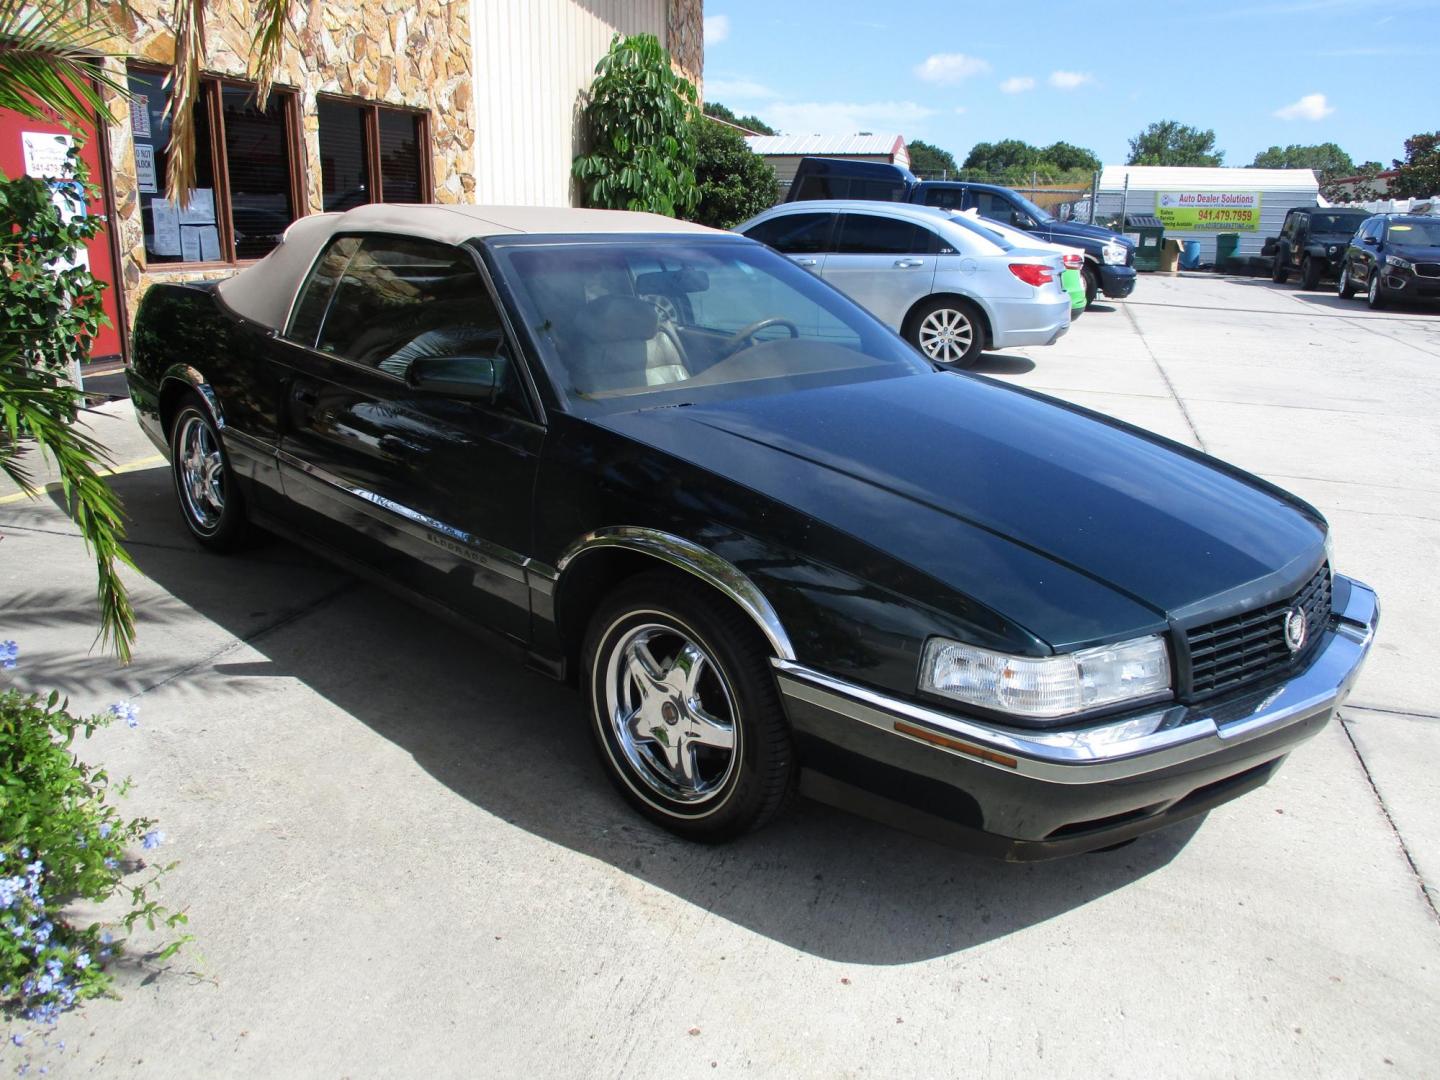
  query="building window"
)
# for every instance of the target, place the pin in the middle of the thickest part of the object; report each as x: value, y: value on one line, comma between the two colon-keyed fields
x: 247, y: 179
x: 371, y: 153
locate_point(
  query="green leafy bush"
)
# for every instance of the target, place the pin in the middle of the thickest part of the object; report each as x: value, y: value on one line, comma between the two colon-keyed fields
x: 639, y: 122
x: 735, y: 182
x: 62, y: 840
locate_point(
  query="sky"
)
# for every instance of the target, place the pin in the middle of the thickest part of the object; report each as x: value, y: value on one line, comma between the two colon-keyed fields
x: 1360, y: 73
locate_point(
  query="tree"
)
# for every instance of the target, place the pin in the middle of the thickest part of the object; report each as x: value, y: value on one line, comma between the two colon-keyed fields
x: 930, y: 161
x: 640, y: 125
x: 1067, y: 158
x: 735, y: 182
x: 1171, y: 143
x: 1326, y: 159
x: 1003, y: 156
x: 1418, y: 176
x: 749, y: 123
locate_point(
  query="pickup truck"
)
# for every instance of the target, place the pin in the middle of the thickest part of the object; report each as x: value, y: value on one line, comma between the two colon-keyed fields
x: 1109, y: 256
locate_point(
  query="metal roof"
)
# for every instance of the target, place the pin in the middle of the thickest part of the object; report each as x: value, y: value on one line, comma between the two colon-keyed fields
x: 1172, y: 178
x: 825, y: 145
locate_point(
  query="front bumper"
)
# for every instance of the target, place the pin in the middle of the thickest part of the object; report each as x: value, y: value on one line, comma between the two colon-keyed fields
x: 1024, y: 794
x: 1407, y: 285
x: 1117, y: 282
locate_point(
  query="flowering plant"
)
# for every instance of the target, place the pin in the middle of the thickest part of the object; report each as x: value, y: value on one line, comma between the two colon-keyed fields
x: 62, y: 840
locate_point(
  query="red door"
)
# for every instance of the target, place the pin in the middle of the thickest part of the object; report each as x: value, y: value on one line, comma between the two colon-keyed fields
x: 13, y: 129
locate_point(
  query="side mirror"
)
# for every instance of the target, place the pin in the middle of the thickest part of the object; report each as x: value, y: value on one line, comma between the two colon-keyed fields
x: 1023, y: 220
x: 473, y: 377
x: 1371, y: 241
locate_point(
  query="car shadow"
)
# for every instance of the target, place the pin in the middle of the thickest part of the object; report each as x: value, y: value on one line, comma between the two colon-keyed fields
x: 992, y: 363
x: 513, y: 743
x: 1326, y: 297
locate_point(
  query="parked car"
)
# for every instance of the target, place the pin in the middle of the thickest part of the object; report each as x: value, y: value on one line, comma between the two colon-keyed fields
x: 772, y: 544
x: 1072, y: 258
x: 1393, y: 257
x: 1313, y: 241
x: 1109, y: 256
x: 949, y: 287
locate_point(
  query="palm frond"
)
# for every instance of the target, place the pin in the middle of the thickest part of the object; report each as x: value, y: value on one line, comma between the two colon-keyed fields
x: 50, y: 63
x: 269, y: 39
x: 184, y: 86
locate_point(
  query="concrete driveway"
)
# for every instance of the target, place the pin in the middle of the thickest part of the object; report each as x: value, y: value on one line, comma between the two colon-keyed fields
x: 400, y: 857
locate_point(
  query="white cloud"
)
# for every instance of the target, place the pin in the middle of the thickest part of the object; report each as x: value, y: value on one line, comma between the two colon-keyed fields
x: 1309, y: 107
x: 844, y: 118
x: 946, y: 68
x: 1070, y: 80
x: 1017, y: 84
x: 717, y: 29
x: 737, y: 90
x: 959, y: 110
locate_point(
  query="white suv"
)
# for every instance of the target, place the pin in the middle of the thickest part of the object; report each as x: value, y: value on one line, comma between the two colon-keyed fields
x: 950, y: 286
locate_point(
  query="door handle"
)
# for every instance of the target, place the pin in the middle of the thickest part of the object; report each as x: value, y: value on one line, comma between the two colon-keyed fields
x: 803, y: 262
x: 304, y: 397
x: 909, y: 264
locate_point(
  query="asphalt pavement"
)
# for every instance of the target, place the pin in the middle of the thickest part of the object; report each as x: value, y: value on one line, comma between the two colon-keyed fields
x: 400, y: 857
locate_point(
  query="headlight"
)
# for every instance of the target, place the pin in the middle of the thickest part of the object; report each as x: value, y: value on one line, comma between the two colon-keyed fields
x: 1047, y: 687
x: 1399, y: 263
x: 1334, y: 249
x: 1115, y: 254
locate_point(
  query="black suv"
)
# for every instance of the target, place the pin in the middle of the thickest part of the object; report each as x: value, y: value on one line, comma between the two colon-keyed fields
x: 1313, y: 241
x: 1394, y: 257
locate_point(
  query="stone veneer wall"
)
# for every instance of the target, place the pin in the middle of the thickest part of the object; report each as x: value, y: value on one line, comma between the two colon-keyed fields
x: 393, y: 52
x: 685, y: 39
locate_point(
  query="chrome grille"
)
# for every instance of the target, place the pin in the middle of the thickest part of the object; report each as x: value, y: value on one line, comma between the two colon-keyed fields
x: 1232, y: 652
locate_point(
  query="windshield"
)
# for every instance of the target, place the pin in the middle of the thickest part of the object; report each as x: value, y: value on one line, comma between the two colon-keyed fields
x: 1336, y: 223
x: 1421, y: 233
x: 630, y: 324
x: 1033, y: 210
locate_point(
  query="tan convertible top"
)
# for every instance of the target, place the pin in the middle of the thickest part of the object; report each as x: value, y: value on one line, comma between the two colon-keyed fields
x: 263, y: 292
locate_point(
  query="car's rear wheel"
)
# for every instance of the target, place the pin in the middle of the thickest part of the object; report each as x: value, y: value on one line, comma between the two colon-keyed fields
x: 1280, y: 272
x: 205, y: 485
x: 1309, y: 274
x: 1375, y: 293
x: 1346, y: 287
x: 684, y: 709
x: 949, y: 331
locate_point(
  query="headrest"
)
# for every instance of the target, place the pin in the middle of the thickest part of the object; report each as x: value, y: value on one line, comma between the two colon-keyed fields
x: 618, y: 318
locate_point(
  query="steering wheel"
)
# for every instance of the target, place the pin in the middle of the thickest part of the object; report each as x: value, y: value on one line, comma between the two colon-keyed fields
x: 733, y: 343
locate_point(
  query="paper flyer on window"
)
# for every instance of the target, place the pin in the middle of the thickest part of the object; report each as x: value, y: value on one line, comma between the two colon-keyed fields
x: 201, y: 210
x: 165, y: 230
x: 145, y: 169
x: 140, y: 116
x: 46, y: 154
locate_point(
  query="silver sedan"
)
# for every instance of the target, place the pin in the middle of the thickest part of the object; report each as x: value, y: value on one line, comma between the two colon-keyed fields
x: 950, y: 287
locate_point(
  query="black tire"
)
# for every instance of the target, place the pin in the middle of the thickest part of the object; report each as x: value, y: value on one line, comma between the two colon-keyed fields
x: 1374, y: 291
x: 722, y: 793
x: 1092, y: 284
x: 1345, y: 287
x: 1280, y: 272
x: 928, y: 325
x: 211, y: 505
x: 1309, y: 274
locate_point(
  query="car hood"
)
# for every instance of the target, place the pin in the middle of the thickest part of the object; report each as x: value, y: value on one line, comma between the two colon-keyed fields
x: 1080, y: 230
x: 1001, y: 495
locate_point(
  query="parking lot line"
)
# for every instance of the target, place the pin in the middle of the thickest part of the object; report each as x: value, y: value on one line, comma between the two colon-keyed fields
x: 55, y: 485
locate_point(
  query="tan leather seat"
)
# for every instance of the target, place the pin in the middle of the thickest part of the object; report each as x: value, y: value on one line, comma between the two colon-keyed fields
x: 621, y: 346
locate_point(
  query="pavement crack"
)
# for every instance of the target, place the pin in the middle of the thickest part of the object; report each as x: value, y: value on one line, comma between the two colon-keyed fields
x: 255, y: 635
x: 1165, y: 377
x: 1352, y: 704
x: 1390, y: 820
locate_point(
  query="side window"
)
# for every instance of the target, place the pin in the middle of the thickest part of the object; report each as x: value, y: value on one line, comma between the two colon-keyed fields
x: 814, y: 187
x: 869, y: 234
x: 399, y: 300
x: 315, y: 295
x: 949, y: 198
x: 795, y: 234
x: 995, y: 207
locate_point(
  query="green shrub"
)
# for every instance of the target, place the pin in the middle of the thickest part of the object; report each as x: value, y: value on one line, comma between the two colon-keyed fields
x: 735, y: 182
x: 61, y: 840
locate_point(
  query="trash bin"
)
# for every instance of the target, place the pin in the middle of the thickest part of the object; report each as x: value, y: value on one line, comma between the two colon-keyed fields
x: 1147, y: 232
x: 1190, y: 257
x: 1226, y: 245
x: 1170, y: 255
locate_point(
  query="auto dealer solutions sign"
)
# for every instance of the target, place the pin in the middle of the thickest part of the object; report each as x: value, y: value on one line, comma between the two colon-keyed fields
x: 1208, y: 211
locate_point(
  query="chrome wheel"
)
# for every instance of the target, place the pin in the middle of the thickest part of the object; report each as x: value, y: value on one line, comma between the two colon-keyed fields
x: 946, y: 335
x: 671, y: 712
x: 202, y: 473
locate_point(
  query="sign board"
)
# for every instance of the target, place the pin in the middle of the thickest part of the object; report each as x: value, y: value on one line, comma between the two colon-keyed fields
x: 46, y: 154
x: 145, y: 169
x: 140, y: 116
x: 1208, y: 211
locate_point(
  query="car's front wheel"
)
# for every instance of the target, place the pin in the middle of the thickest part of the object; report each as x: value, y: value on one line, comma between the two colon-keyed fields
x: 1309, y: 273
x: 1346, y: 287
x: 1280, y: 272
x: 684, y: 709
x: 1375, y: 294
x: 204, y: 482
x: 949, y: 331
x: 1092, y: 284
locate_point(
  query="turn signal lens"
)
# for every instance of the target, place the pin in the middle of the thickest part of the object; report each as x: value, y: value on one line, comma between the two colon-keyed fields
x: 1032, y: 273
x: 1046, y: 687
x: 1074, y: 262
